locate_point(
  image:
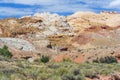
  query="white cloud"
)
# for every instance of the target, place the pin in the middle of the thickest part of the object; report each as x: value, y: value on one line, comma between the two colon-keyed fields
x: 50, y: 6
x: 31, y: 2
x: 59, y: 6
x: 114, y: 4
x: 64, y: 8
x: 6, y: 11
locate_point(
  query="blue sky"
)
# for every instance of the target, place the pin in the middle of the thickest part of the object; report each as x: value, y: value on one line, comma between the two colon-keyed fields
x: 18, y: 8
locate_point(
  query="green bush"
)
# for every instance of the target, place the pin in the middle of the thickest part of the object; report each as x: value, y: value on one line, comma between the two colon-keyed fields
x: 5, y: 52
x: 45, y: 59
x: 107, y: 59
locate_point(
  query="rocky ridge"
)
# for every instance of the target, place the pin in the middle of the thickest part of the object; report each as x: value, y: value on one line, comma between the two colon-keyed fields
x: 84, y: 34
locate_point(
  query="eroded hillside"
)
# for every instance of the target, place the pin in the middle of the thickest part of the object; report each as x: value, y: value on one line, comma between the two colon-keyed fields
x: 85, y: 34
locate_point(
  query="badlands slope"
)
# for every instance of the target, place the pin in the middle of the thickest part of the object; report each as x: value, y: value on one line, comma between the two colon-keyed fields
x: 82, y: 36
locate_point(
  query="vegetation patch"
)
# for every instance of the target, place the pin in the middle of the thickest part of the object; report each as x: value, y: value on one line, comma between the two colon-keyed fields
x: 107, y: 59
x: 23, y: 70
x: 45, y: 59
x: 5, y: 52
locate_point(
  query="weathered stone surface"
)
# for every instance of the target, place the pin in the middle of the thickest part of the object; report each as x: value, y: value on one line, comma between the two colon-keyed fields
x: 18, y: 44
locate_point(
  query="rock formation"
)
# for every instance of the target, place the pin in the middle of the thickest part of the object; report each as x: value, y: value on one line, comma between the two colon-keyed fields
x: 87, y: 33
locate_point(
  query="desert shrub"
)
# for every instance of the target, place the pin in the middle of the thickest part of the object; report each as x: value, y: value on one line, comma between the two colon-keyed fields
x: 67, y: 60
x: 73, y: 74
x: 5, y: 52
x: 68, y: 77
x: 42, y: 76
x: 54, y: 77
x: 61, y: 71
x: 3, y: 77
x: 45, y: 59
x: 72, y: 77
x: 17, y: 76
x: 53, y: 66
x: 107, y: 59
x: 76, y: 72
x: 105, y: 72
x: 79, y: 77
x: 90, y: 74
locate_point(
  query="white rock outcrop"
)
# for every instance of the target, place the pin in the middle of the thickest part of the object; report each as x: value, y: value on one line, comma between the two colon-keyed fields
x: 18, y: 44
